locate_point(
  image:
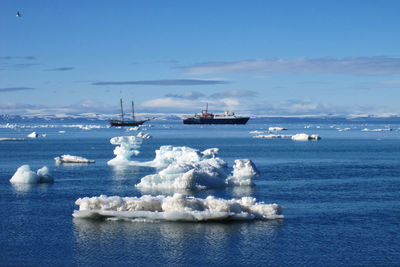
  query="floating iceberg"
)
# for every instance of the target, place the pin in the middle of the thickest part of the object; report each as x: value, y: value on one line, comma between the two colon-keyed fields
x: 127, y: 146
x: 24, y: 175
x: 188, y: 168
x: 259, y: 132
x: 305, y: 137
x: 272, y: 136
x: 175, y: 208
x: 143, y: 135
x: 183, y: 167
x: 376, y: 130
x: 33, y: 135
x: 296, y: 137
x: 276, y: 129
x: 72, y: 159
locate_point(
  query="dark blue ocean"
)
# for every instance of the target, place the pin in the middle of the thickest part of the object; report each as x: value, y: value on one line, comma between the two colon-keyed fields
x: 341, y: 198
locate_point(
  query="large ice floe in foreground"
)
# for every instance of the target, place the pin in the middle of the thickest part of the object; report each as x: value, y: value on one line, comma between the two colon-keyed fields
x: 175, y: 208
x: 72, y: 159
x: 24, y: 175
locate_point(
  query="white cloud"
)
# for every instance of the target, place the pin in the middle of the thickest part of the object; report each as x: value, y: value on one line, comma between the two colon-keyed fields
x: 349, y: 65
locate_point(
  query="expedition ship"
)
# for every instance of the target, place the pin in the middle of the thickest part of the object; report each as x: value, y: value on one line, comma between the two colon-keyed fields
x: 209, y: 118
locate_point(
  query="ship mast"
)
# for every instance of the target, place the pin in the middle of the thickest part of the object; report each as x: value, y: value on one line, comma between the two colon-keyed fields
x: 122, y: 111
x: 133, y: 111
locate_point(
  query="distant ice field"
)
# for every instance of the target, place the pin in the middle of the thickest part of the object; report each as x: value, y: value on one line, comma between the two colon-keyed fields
x: 339, y: 196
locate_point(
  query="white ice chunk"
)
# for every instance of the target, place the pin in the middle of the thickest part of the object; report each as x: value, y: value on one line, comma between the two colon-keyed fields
x: 243, y: 172
x: 72, y: 159
x: 33, y: 135
x: 24, y: 175
x: 276, y: 129
x: 376, y: 130
x: 175, y: 208
x: 128, y: 146
x: 188, y: 168
x: 143, y: 135
x: 273, y: 136
x: 305, y: 137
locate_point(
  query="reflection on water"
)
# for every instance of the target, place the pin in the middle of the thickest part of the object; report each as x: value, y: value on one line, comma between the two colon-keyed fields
x: 170, y: 242
x: 243, y: 191
x: 25, y: 188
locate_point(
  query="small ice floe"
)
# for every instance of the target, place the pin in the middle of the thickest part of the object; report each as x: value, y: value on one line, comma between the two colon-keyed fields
x: 72, y: 159
x: 305, y: 137
x: 175, y: 208
x: 35, y: 135
x: 276, y: 129
x: 24, y: 175
x: 12, y: 139
x: 133, y: 128
x: 259, y: 132
x: 273, y: 136
x: 143, y: 135
x: 376, y: 130
x: 343, y: 129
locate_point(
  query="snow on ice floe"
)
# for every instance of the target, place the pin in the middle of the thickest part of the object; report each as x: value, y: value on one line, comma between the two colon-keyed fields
x: 175, y: 208
x: 72, y: 159
x: 24, y: 175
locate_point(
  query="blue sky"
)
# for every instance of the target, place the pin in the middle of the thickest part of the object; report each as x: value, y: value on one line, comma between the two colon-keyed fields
x: 253, y: 57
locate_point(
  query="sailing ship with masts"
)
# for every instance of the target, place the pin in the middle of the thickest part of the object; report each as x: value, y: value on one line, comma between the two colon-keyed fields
x: 124, y: 122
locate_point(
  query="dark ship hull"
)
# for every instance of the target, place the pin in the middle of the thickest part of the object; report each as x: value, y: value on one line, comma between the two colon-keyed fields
x: 240, y: 120
x: 127, y: 123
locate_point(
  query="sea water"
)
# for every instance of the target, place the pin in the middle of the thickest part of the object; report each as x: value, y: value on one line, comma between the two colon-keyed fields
x: 340, y: 197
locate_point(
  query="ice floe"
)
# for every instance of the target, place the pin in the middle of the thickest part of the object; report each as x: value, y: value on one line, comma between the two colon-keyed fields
x: 188, y: 168
x: 33, y: 135
x: 276, y: 129
x: 175, y: 208
x: 182, y: 167
x: 376, y: 130
x: 24, y: 175
x: 12, y: 139
x: 272, y: 136
x: 72, y: 159
x: 296, y: 137
x: 126, y: 147
x: 143, y: 135
x: 305, y: 137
